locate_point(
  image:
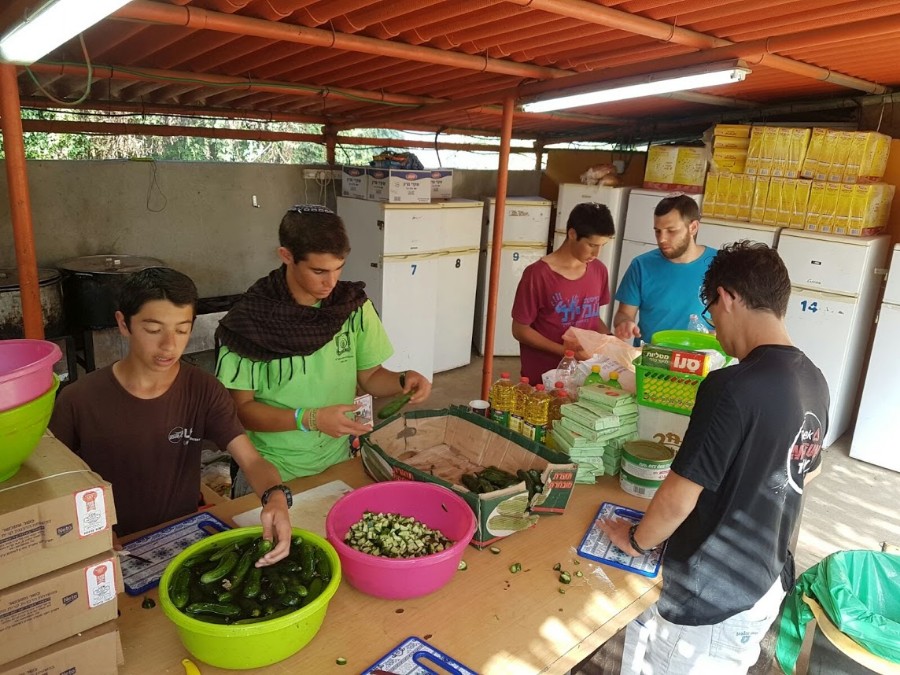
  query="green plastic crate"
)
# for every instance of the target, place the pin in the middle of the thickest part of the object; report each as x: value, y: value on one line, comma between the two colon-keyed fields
x: 667, y: 390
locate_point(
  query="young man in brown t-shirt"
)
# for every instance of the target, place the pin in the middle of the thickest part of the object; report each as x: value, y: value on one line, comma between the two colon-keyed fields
x: 139, y: 422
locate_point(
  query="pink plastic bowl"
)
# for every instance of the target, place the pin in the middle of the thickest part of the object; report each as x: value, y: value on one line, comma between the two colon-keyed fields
x: 26, y: 370
x: 398, y: 579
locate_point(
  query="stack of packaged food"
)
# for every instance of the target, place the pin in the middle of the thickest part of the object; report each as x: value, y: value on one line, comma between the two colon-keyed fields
x: 594, y: 430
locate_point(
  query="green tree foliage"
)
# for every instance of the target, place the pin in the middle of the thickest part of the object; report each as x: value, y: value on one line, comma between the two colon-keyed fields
x: 39, y: 145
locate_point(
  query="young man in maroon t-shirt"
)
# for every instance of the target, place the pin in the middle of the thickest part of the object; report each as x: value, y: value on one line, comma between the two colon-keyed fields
x: 565, y: 288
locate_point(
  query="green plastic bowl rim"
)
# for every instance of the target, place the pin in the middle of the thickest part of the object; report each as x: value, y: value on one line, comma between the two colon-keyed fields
x: 187, y: 622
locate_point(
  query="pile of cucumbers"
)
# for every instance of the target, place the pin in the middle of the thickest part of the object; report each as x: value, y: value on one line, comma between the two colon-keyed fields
x: 493, y: 478
x: 223, y: 586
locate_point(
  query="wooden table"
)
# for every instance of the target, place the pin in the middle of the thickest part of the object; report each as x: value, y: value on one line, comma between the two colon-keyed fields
x: 487, y: 618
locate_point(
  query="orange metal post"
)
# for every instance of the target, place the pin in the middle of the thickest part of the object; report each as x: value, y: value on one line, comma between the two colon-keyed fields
x: 497, y: 244
x: 20, y: 203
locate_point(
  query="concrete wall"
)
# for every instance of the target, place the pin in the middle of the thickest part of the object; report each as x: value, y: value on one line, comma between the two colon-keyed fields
x: 196, y: 217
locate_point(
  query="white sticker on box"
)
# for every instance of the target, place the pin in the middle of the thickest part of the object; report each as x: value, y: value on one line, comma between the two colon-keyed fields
x: 101, y: 583
x: 90, y: 508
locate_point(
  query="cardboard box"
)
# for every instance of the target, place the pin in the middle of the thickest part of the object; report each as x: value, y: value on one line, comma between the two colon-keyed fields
x: 660, y: 165
x: 815, y: 153
x: 377, y: 184
x: 760, y: 195
x: 868, y: 209
x: 814, y: 206
x: 675, y: 360
x: 353, y: 181
x: 723, y: 192
x: 710, y: 194
x: 670, y: 167
x: 441, y: 183
x: 662, y: 426
x: 409, y: 187
x: 800, y: 204
x: 732, y: 130
x: 97, y: 651
x: 747, y: 190
x: 731, y: 142
x: 439, y: 446
x: 58, y: 605
x: 53, y: 512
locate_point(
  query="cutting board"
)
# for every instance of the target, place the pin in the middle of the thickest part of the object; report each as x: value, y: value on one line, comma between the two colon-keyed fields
x: 309, y: 509
x: 162, y: 546
x: 414, y: 656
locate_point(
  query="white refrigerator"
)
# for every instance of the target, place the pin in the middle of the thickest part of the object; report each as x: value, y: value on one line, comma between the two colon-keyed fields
x: 834, y: 287
x: 716, y: 232
x: 461, y: 221
x: 638, y: 237
x: 395, y: 249
x: 874, y: 438
x: 526, y: 230
x: 616, y: 199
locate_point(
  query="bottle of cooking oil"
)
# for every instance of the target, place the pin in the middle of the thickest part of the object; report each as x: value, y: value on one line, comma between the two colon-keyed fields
x: 517, y: 414
x: 594, y: 377
x: 503, y: 398
x: 613, y: 380
x: 537, y: 407
x: 558, y: 397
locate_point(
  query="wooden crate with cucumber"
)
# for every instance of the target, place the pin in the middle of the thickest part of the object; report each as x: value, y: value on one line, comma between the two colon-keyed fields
x: 508, y: 480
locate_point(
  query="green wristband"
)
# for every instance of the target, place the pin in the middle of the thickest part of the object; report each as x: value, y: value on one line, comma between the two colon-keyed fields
x: 298, y: 418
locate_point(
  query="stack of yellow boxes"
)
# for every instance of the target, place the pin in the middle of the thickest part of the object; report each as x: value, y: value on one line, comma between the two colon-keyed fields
x: 845, y: 168
x: 675, y: 168
x: 816, y: 179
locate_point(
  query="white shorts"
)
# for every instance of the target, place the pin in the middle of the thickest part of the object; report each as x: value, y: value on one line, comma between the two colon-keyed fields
x: 654, y: 646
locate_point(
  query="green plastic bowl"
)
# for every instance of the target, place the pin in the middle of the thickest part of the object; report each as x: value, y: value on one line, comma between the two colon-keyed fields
x: 21, y: 429
x: 254, y: 645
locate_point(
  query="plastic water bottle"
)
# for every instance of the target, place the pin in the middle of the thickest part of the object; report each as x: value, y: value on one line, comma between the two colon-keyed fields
x: 697, y: 325
x: 502, y: 398
x: 613, y: 380
x: 594, y: 377
x: 567, y: 373
x: 537, y: 407
x: 517, y: 414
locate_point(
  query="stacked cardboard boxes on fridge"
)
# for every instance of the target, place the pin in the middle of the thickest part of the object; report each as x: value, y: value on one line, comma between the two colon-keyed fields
x: 676, y: 168
x: 593, y: 431
x: 821, y: 179
x: 58, y: 574
x: 440, y: 446
x: 398, y: 186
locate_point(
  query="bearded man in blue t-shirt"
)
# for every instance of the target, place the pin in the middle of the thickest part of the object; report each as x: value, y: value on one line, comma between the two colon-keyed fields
x: 664, y: 285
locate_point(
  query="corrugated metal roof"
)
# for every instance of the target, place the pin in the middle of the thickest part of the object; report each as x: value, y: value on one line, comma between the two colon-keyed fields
x: 363, y: 63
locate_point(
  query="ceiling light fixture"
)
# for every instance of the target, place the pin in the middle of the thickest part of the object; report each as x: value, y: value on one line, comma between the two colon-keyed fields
x: 710, y: 75
x: 52, y: 24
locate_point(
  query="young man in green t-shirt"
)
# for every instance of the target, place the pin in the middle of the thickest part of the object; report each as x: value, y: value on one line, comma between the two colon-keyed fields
x: 298, y: 343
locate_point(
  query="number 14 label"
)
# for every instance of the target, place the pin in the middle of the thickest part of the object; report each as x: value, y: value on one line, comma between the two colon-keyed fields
x: 807, y: 306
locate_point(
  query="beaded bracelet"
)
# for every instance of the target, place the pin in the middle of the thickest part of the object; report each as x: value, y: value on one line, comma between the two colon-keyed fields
x: 313, y: 419
x: 298, y: 419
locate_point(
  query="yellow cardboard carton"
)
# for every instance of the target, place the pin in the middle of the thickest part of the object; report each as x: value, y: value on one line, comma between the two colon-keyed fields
x: 723, y: 182
x: 748, y: 186
x: 785, y: 204
x: 874, y: 158
x: 760, y: 195
x: 767, y: 151
x: 690, y: 168
x: 710, y: 194
x: 797, y: 149
x: 801, y: 201
x: 729, y: 160
x: 843, y: 142
x: 815, y: 154
x: 781, y: 150
x: 754, y: 151
x: 734, y: 196
x: 733, y: 130
x: 731, y: 142
x: 829, y: 207
x: 773, y: 201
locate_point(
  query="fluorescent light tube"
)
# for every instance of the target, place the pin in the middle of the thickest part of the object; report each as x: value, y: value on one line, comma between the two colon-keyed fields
x: 52, y: 24
x: 650, y: 86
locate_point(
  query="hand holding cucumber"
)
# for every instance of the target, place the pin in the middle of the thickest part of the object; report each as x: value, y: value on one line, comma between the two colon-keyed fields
x: 338, y: 420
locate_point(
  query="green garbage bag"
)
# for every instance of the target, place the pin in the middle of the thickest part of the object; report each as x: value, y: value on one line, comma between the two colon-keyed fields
x: 860, y: 593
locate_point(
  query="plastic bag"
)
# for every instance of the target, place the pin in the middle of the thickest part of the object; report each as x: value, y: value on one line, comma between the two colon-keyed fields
x: 860, y: 593
x: 596, y: 344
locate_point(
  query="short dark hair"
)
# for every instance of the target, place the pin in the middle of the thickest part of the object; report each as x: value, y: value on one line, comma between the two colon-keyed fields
x: 687, y: 208
x: 752, y: 270
x: 305, y: 229
x: 589, y: 219
x: 156, y: 283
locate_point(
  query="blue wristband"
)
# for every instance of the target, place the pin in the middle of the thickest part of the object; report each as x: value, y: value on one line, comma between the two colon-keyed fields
x: 298, y: 418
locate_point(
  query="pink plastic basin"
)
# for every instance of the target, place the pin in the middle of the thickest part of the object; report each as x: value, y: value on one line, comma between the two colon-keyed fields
x: 26, y: 370
x: 397, y: 579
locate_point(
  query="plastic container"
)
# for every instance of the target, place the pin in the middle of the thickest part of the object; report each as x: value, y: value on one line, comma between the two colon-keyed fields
x: 537, y: 409
x: 21, y: 430
x: 26, y: 370
x: 667, y: 390
x: 502, y: 399
x: 613, y: 380
x: 517, y: 414
x: 567, y: 373
x: 696, y: 324
x: 594, y: 377
x: 398, y: 579
x: 253, y: 645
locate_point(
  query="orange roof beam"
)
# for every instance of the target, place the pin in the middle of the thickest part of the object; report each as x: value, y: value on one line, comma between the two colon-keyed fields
x: 201, y: 19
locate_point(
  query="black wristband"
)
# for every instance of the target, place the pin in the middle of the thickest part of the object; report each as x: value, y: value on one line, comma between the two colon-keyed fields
x: 633, y: 542
x: 403, y: 380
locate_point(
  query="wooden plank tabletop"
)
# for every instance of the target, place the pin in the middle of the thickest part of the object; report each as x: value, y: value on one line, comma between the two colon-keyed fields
x: 490, y: 620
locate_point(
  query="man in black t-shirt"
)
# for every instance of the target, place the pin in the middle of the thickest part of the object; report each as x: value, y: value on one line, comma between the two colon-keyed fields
x: 731, y: 501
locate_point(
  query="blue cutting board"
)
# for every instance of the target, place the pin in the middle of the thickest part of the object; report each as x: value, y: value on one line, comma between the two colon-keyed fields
x: 597, y: 546
x: 414, y: 656
x: 161, y: 547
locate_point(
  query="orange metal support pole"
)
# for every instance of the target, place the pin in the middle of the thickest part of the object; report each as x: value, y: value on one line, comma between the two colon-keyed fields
x: 20, y: 203
x: 497, y: 244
